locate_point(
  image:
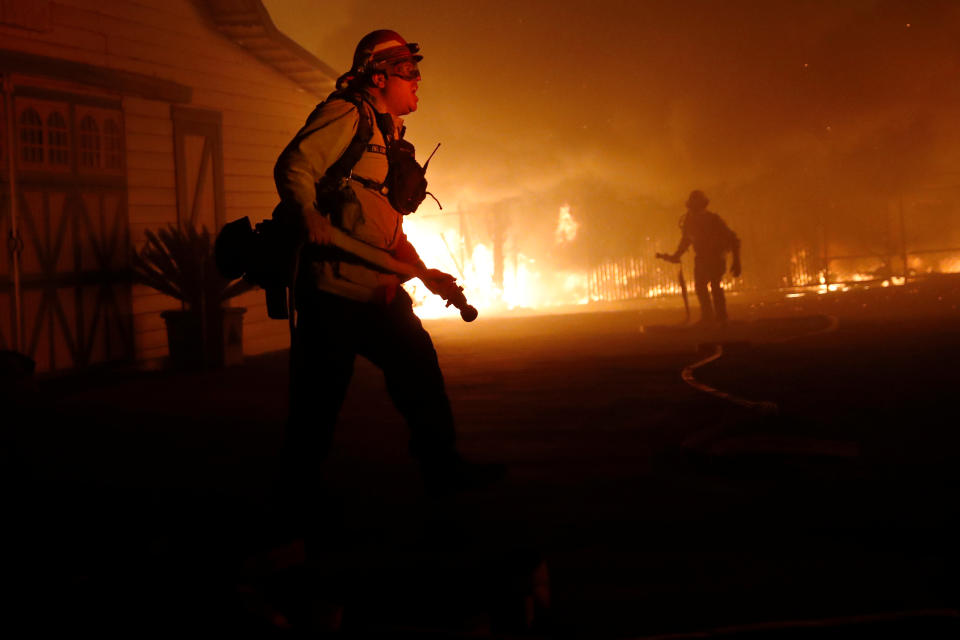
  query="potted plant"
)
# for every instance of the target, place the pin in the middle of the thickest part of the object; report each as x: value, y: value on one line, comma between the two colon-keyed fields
x: 180, y: 263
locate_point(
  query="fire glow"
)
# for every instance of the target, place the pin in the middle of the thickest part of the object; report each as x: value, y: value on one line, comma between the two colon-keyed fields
x: 505, y: 279
x: 566, y: 226
x: 863, y: 272
x: 519, y: 284
x: 502, y: 279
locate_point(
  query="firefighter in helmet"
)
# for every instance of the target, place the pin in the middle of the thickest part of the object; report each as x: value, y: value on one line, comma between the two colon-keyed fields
x: 333, y: 174
x: 712, y: 239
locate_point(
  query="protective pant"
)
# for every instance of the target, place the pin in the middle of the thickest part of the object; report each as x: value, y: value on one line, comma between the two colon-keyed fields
x: 331, y: 331
x: 708, y: 270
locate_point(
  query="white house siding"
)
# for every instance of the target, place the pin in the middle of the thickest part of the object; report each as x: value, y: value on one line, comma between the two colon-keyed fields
x: 261, y: 109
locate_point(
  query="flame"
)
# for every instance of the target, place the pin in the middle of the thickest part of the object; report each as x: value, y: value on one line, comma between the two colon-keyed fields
x: 801, y: 273
x: 566, y: 226
x: 950, y: 265
x: 860, y: 271
x: 522, y: 283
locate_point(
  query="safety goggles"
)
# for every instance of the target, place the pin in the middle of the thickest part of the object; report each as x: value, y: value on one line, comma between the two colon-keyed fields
x: 405, y: 70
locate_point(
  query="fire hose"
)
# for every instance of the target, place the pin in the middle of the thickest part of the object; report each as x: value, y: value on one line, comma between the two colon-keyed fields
x: 241, y: 251
x: 453, y: 295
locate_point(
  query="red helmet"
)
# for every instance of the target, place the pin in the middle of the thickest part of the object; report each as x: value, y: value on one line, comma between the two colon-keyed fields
x: 383, y: 47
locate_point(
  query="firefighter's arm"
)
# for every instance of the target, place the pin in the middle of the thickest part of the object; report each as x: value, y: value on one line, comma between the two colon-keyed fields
x: 406, y: 252
x: 441, y: 283
x: 685, y: 242
x: 303, y: 162
x: 438, y: 282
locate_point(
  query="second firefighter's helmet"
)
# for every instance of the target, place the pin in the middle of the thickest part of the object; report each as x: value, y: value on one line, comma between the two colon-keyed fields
x: 697, y: 200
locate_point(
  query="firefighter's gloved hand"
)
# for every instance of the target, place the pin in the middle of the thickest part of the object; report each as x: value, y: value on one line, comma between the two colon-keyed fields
x: 319, y: 229
x: 440, y: 283
x: 735, y: 269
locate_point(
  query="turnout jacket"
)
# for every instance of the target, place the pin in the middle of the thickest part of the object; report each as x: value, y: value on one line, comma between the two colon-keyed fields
x: 364, y: 212
x: 709, y: 235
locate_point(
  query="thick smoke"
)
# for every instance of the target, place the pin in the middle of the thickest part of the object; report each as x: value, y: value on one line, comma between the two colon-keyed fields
x: 805, y: 122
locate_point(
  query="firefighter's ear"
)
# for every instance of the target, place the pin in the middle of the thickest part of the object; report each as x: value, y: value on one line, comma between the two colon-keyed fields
x: 379, y: 79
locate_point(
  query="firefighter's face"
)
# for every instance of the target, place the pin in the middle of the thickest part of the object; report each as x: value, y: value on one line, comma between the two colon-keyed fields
x: 398, y: 92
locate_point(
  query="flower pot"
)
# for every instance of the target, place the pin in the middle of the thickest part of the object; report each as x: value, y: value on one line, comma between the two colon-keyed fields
x: 190, y: 349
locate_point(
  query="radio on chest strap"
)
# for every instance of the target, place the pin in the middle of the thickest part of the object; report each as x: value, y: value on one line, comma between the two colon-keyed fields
x: 405, y: 185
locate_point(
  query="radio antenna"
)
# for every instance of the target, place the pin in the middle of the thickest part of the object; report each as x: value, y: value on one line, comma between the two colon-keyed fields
x: 430, y: 158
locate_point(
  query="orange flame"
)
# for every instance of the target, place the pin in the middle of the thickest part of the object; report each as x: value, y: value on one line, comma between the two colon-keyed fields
x: 566, y: 226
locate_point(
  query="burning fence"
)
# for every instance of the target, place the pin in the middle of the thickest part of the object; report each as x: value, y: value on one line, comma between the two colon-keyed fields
x: 839, y: 273
x: 916, y: 236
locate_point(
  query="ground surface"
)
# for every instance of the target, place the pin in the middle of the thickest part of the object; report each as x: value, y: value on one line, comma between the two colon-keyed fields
x: 655, y: 507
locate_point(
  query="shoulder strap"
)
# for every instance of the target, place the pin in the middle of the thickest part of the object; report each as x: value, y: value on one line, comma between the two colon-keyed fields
x: 351, y: 156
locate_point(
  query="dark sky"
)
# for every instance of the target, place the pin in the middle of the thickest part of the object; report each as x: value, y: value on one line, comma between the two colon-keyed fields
x: 784, y: 112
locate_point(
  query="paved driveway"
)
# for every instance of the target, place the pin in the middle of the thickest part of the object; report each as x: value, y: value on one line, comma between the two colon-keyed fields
x: 654, y: 506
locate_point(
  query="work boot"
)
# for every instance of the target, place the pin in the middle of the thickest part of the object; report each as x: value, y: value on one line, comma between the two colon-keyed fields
x: 453, y: 474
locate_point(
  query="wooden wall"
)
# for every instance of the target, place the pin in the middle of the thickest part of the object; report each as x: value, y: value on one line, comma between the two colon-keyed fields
x: 169, y: 39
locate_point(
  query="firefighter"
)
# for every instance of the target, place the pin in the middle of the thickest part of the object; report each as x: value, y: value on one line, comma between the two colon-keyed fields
x: 711, y: 239
x: 334, y: 173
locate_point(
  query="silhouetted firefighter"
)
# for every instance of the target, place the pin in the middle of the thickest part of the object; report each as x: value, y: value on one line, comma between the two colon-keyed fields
x: 349, y: 173
x: 711, y: 239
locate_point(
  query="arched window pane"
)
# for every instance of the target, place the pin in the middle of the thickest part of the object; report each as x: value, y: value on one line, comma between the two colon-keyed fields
x: 112, y: 144
x: 31, y: 137
x: 58, y: 139
x: 89, y: 143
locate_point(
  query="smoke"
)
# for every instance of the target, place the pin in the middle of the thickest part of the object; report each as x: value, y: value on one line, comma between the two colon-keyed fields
x: 789, y: 115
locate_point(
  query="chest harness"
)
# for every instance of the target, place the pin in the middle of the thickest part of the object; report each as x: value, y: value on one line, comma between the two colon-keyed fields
x: 405, y: 186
